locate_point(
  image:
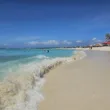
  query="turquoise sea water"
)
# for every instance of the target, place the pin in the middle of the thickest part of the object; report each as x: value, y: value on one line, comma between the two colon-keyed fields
x: 12, y: 60
x: 21, y: 75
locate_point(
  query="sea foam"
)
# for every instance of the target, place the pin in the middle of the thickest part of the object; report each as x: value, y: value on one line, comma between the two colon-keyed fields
x: 42, y: 57
x: 22, y: 91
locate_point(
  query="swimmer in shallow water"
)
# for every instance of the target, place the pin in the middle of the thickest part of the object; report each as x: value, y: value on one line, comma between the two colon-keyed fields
x: 47, y: 51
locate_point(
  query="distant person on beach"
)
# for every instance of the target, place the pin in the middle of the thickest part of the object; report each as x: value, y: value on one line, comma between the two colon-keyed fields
x: 90, y: 47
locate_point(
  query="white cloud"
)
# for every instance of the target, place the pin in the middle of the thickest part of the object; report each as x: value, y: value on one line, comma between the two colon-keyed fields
x: 98, y: 41
x: 78, y: 41
x: 66, y: 42
x: 34, y: 43
x: 94, y: 38
x: 49, y: 42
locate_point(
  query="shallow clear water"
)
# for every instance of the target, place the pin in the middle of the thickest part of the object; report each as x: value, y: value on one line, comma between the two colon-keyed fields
x: 21, y: 74
x: 12, y: 60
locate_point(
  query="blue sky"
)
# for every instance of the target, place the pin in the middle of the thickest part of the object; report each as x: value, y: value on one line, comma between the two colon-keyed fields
x: 31, y: 23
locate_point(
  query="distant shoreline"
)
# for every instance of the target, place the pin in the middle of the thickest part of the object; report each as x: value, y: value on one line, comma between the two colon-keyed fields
x: 95, y: 48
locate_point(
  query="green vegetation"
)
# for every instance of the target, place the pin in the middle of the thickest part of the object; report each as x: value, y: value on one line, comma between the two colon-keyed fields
x: 107, y: 36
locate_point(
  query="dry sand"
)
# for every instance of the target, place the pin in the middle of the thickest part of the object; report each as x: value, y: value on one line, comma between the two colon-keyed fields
x: 80, y: 85
x: 96, y: 48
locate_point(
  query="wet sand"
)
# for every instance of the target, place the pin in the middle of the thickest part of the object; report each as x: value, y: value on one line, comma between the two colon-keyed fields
x: 80, y: 85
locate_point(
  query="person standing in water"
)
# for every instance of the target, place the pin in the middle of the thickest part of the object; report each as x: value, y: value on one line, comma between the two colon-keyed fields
x: 47, y: 51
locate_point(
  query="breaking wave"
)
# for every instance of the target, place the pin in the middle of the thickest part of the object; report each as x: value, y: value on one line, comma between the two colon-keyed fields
x: 22, y: 91
x: 42, y: 57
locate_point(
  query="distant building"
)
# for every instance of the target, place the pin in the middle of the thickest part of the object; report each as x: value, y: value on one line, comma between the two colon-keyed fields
x: 106, y: 43
x: 99, y: 45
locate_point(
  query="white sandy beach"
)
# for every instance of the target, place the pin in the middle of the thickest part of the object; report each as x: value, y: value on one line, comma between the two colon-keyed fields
x: 96, y: 48
x: 80, y: 85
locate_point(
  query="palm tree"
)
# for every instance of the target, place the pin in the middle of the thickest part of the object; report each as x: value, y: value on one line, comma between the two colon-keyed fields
x: 107, y: 37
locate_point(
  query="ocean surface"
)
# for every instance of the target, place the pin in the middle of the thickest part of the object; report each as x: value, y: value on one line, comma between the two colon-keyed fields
x: 11, y: 60
x: 21, y: 75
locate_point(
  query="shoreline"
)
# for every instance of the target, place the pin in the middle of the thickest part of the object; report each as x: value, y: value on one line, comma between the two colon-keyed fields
x: 79, y: 85
x: 95, y: 48
x: 22, y: 89
x: 106, y: 48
